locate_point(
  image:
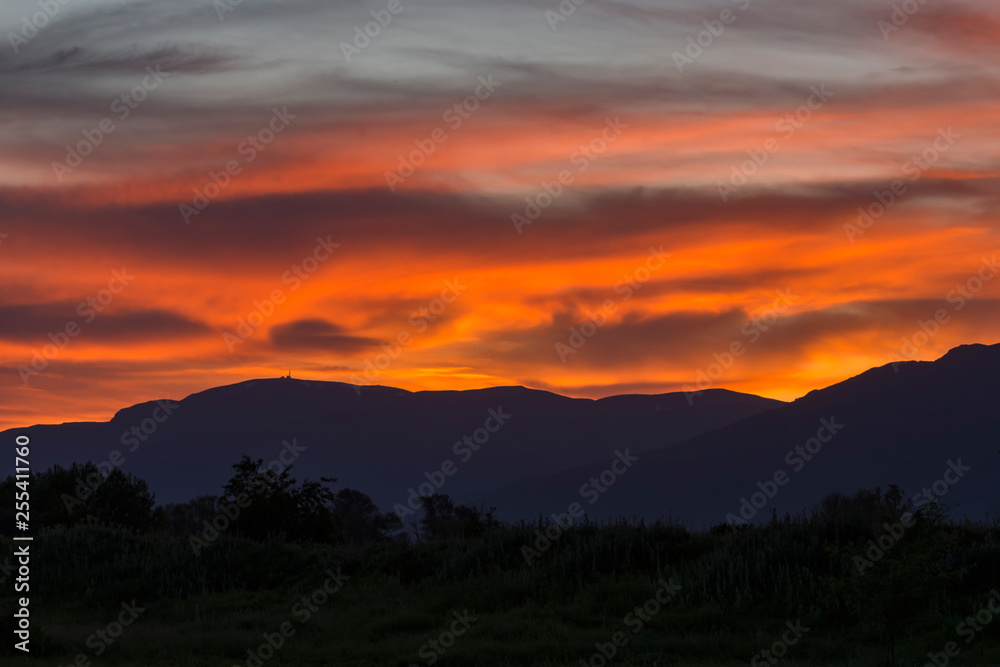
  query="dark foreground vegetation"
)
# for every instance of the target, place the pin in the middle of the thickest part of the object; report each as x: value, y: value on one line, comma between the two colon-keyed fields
x: 305, y: 575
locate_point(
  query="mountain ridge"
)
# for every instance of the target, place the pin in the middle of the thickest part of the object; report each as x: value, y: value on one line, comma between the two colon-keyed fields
x: 698, y: 459
x: 381, y: 440
x: 955, y: 398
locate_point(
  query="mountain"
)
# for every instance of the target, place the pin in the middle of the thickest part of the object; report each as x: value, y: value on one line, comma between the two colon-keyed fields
x: 379, y: 440
x: 912, y: 424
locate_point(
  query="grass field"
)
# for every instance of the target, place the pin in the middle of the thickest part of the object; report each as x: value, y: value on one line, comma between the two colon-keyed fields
x: 707, y: 598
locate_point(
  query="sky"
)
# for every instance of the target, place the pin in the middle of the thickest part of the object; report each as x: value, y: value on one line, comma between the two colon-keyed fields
x: 592, y: 198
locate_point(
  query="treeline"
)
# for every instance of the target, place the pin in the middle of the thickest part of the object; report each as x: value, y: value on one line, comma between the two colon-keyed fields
x: 866, y: 570
x: 256, y: 504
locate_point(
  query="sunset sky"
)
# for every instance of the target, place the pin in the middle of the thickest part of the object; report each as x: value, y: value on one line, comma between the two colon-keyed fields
x: 377, y: 211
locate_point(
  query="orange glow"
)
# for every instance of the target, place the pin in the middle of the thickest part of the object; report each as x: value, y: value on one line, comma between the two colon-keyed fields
x: 792, y: 227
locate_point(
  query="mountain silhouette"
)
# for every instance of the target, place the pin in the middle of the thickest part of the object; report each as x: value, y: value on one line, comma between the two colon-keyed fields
x: 907, y: 423
x: 702, y: 461
x: 379, y: 440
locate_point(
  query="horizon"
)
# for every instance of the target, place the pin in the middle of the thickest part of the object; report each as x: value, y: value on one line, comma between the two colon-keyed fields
x: 500, y: 332
x: 448, y: 204
x: 513, y: 386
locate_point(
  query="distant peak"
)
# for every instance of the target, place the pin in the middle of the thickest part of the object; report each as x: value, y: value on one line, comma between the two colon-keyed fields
x: 968, y: 351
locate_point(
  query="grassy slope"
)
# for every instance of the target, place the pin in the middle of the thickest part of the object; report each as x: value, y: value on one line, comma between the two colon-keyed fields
x: 738, y: 590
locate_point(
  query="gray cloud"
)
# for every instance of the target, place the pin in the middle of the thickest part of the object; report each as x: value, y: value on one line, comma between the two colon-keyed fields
x: 32, y: 324
x: 318, y: 335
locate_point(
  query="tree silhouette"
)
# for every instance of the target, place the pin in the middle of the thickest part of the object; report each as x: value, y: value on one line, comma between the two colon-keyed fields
x: 273, y: 502
x: 359, y: 520
x: 882, y: 590
x: 442, y: 518
x: 85, y: 493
